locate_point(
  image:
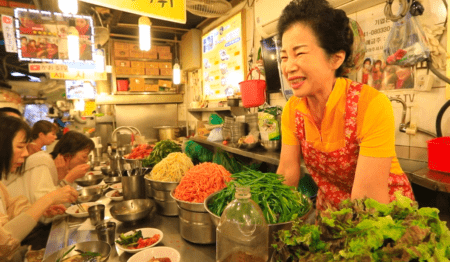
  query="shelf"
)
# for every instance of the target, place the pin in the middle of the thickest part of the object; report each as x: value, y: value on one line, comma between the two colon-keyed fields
x: 144, y: 76
x: 142, y: 59
x: 128, y: 99
x: 210, y: 109
x: 144, y: 93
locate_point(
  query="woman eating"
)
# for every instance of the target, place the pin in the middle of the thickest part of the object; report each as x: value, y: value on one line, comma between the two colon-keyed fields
x: 17, y: 216
x: 343, y: 130
x: 45, y: 172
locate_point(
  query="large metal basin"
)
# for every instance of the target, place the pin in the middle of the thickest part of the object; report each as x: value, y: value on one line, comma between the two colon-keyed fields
x: 132, y: 210
x: 93, y: 246
x: 162, y: 186
x: 195, y: 207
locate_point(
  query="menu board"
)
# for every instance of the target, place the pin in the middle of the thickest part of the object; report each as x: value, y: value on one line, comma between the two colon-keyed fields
x: 42, y: 35
x: 223, y: 59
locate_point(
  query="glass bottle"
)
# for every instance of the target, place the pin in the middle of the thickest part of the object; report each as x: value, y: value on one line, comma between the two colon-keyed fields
x: 242, y: 233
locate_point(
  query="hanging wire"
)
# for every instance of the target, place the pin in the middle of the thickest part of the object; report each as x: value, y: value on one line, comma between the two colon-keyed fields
x: 404, y: 8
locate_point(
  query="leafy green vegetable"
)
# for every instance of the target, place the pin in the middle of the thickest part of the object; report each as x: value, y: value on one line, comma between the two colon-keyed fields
x: 197, y: 151
x: 365, y: 230
x: 129, y: 240
x: 161, y: 150
x: 226, y: 160
x: 279, y: 203
x: 65, y: 254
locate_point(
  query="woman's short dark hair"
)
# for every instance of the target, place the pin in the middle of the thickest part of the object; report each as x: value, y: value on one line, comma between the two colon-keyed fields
x: 9, y: 127
x: 71, y: 143
x: 42, y: 126
x: 330, y: 26
x: 5, y: 110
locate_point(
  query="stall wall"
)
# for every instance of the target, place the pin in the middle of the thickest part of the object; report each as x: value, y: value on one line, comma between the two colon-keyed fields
x: 145, y: 117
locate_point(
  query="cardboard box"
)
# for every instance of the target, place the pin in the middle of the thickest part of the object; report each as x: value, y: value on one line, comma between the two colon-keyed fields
x: 166, y: 71
x: 152, y: 54
x: 137, y: 84
x: 164, y: 83
x: 121, y: 53
x: 137, y: 64
x: 137, y: 71
x: 151, y: 88
x: 136, y: 53
x: 163, y: 48
x: 120, y: 45
x: 122, y: 63
x: 152, y: 71
x: 134, y: 47
x: 123, y: 70
x: 165, y: 65
x: 151, y: 65
x: 165, y: 55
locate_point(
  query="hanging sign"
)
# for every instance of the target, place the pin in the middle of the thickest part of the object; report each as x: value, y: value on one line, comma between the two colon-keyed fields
x: 8, y: 34
x: 169, y: 10
x: 47, y: 68
x: 79, y: 75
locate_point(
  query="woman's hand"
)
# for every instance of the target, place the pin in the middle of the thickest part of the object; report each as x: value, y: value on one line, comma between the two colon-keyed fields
x: 61, y: 166
x: 63, y: 195
x: 77, y: 172
x: 54, y: 211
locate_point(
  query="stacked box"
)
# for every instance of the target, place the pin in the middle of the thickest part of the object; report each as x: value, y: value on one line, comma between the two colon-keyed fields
x: 121, y: 53
x: 152, y: 71
x: 120, y: 45
x: 165, y: 65
x: 137, y: 71
x: 123, y: 70
x: 151, y: 65
x: 166, y: 71
x: 152, y: 54
x: 137, y: 84
x: 165, y: 56
x: 136, y: 54
x: 137, y: 64
x: 151, y: 88
x: 122, y: 63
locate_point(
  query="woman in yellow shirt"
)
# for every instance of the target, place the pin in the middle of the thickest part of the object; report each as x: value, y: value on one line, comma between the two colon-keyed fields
x: 343, y: 130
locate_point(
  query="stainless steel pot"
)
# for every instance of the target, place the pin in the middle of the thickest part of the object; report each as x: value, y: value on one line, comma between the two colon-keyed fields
x: 168, y: 132
x: 165, y: 205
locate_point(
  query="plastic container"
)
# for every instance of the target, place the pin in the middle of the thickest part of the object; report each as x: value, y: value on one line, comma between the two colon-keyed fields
x: 122, y: 85
x: 242, y: 233
x: 438, y: 149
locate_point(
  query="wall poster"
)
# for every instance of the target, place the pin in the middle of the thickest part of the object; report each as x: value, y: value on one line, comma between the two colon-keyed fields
x: 375, y: 72
x: 223, y: 64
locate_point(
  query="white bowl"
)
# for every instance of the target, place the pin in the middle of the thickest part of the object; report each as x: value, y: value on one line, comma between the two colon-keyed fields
x: 146, y: 232
x: 73, y: 209
x: 95, y: 172
x: 117, y: 186
x: 157, y: 252
x: 110, y: 193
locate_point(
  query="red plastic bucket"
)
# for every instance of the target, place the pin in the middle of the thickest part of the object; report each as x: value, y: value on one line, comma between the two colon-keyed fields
x: 253, y: 92
x: 438, y: 154
x: 122, y: 85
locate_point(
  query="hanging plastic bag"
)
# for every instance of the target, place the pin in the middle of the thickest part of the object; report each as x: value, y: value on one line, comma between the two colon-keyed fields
x: 406, y: 44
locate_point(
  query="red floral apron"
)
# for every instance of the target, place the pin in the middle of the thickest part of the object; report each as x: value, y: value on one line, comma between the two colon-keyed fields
x: 334, y: 172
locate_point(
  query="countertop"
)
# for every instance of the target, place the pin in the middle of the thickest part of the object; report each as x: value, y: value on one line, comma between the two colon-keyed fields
x: 64, y: 232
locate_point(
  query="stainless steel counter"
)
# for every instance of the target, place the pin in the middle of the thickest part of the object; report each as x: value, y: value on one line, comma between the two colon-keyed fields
x: 64, y: 232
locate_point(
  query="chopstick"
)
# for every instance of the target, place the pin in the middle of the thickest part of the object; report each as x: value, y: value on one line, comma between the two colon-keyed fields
x: 80, y: 206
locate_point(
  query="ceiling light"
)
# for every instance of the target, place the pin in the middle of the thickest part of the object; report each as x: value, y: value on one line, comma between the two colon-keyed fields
x: 73, y: 43
x: 68, y: 6
x: 144, y: 33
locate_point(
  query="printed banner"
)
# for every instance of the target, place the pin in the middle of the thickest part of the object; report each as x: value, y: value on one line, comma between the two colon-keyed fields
x: 169, y: 10
x: 47, y: 68
x: 79, y: 75
x: 8, y: 34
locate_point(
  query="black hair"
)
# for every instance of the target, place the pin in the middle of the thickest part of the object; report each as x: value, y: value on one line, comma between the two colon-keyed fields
x: 5, y: 110
x: 71, y: 143
x: 367, y: 59
x: 9, y: 127
x: 330, y: 26
x: 42, y: 126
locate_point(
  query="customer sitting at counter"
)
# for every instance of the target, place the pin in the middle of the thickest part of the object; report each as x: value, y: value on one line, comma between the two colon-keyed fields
x: 344, y: 130
x: 17, y: 216
x: 43, y: 133
x: 9, y: 111
x: 45, y: 172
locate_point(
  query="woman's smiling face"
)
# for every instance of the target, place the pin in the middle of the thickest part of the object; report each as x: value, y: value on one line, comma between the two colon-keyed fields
x: 304, y: 63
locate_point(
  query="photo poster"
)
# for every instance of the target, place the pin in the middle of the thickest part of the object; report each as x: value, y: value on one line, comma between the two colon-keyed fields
x: 375, y: 71
x: 223, y: 64
x: 79, y: 89
x: 42, y: 35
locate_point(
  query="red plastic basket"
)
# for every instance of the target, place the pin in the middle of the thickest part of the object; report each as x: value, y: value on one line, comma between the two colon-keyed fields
x: 122, y: 85
x: 253, y: 92
x: 439, y: 154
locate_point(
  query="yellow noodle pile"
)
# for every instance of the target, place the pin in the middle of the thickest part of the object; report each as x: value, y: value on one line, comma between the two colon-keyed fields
x: 172, y: 168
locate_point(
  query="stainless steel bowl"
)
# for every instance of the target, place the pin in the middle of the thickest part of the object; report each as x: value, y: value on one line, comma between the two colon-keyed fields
x: 196, y: 207
x: 89, y: 194
x: 248, y: 146
x: 92, y: 246
x: 132, y: 210
x: 134, y: 163
x: 113, y: 179
x: 89, y: 180
x: 163, y: 186
x: 271, y: 145
x: 105, y: 170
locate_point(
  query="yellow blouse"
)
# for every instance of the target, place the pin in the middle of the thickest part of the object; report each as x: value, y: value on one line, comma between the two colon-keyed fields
x: 375, y: 125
